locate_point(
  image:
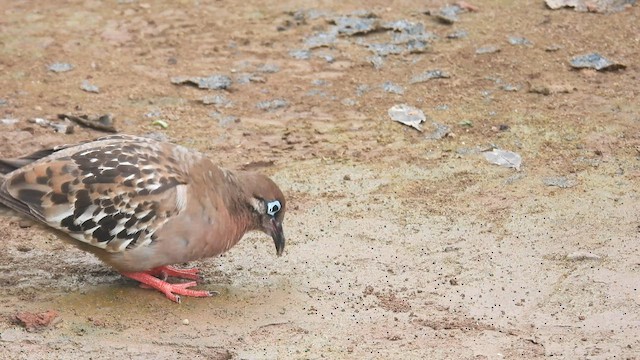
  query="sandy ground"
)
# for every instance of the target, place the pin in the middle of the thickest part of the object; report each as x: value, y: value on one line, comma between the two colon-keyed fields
x: 400, y: 246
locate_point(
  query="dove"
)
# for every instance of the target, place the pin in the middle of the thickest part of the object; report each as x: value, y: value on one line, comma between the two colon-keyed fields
x: 142, y: 206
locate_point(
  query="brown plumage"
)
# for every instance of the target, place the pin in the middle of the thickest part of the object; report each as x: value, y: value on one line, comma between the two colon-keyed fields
x: 141, y: 205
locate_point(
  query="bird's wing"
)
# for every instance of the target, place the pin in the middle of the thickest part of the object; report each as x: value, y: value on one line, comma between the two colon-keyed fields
x: 113, y: 193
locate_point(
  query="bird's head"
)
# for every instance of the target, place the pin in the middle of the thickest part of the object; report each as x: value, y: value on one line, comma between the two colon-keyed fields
x: 268, y: 207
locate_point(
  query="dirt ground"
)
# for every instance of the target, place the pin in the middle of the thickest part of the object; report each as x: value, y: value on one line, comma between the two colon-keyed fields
x: 399, y: 245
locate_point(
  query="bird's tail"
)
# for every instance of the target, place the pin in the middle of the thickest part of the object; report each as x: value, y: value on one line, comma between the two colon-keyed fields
x: 11, y: 164
x: 4, y: 211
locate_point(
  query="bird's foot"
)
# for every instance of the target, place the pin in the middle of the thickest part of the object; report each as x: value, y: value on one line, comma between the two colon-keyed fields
x: 171, y: 291
x: 163, y: 272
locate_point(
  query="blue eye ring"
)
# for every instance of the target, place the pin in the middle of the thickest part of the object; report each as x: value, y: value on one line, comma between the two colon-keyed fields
x: 273, y: 207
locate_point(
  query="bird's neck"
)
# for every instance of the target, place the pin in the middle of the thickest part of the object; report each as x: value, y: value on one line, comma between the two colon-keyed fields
x: 235, y: 196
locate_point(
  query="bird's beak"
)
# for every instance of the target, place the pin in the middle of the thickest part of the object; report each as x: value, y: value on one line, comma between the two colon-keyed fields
x: 278, y: 235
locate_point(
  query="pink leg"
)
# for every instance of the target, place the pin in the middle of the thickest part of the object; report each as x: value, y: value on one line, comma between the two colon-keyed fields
x: 163, y: 272
x: 169, y: 290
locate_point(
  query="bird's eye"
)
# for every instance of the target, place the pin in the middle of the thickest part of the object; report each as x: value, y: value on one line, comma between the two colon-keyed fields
x: 273, y: 207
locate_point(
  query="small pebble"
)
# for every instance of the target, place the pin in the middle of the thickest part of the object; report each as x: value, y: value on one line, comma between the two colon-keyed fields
x: 428, y: 75
x: 269, y: 68
x: 8, y: 121
x: 60, y: 67
x: 595, y: 61
x: 88, y: 87
x: 25, y: 224
x: 457, y: 34
x: 376, y: 61
x: 272, y: 105
x: 392, y: 88
x: 23, y: 248
x: 559, y: 181
x: 489, y: 49
x: 516, y: 40
x: 552, y: 48
x: 300, y: 54
x: 185, y: 321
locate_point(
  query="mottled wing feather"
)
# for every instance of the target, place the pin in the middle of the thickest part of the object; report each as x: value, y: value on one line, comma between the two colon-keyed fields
x: 113, y: 193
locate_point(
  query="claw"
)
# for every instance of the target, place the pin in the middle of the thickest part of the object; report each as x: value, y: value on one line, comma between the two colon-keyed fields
x: 171, y: 291
x: 163, y: 272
